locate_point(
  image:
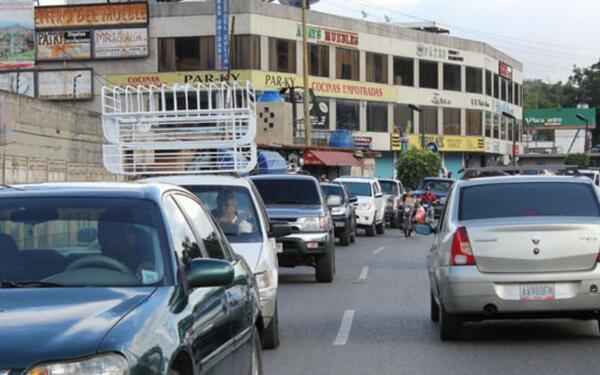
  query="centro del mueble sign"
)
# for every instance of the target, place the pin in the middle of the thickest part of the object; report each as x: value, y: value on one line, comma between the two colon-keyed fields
x: 264, y: 81
x: 325, y: 35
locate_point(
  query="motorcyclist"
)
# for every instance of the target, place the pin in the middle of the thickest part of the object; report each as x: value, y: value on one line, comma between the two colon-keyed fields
x: 408, y: 199
x: 429, y: 197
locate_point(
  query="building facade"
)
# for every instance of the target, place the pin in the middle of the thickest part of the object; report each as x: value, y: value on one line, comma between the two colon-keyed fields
x: 366, y: 73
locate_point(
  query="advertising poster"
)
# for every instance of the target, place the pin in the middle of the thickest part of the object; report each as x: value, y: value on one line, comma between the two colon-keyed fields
x: 222, y: 35
x: 63, y: 45
x: 53, y: 17
x: 65, y: 84
x: 117, y: 43
x: 25, y: 86
x: 16, y: 34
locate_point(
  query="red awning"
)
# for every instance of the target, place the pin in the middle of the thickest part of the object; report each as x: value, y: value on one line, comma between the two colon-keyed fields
x: 331, y: 158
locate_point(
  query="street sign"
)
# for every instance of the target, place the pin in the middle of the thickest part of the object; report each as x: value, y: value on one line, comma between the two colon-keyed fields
x: 222, y: 35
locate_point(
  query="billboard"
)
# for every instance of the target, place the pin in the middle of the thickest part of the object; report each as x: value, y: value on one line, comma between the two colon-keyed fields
x: 116, y: 43
x: 63, y: 45
x: 505, y: 70
x: 91, y: 15
x: 222, y: 35
x: 23, y: 82
x: 65, y: 84
x: 16, y: 34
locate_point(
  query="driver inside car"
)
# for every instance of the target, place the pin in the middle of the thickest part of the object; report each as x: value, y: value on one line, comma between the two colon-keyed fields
x: 226, y: 215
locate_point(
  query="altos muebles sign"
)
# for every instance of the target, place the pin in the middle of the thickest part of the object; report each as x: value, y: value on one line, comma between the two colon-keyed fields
x: 91, y: 15
x: 323, y: 35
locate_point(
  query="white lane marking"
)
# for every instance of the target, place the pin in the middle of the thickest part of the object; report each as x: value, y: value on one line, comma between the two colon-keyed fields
x: 345, y: 327
x: 363, y: 273
x: 379, y: 250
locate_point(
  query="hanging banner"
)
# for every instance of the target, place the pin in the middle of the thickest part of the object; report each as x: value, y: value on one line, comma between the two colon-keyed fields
x: 65, y: 84
x: 16, y: 34
x: 91, y: 15
x: 116, y: 43
x: 21, y: 82
x: 222, y: 35
x: 63, y: 45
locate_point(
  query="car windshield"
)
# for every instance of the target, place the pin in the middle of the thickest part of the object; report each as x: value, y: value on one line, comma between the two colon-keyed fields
x: 81, y: 242
x: 288, y: 191
x: 436, y: 185
x: 333, y: 190
x: 527, y: 199
x: 389, y: 187
x: 358, y: 188
x: 233, y: 209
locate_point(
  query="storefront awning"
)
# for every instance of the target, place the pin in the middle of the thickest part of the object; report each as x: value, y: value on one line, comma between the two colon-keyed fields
x: 331, y: 158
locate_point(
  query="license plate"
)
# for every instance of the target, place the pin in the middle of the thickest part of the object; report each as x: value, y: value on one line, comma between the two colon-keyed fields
x: 279, y: 247
x: 339, y: 225
x: 537, y: 292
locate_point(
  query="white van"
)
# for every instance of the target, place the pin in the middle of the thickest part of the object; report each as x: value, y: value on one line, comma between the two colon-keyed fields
x: 370, y: 207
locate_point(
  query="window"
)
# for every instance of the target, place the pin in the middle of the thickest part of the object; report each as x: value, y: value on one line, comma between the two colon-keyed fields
x: 404, y: 71
x: 496, y: 86
x: 451, y: 121
x: 184, y: 240
x: 329, y: 190
x: 474, y: 80
x: 510, y: 92
x: 377, y: 68
x: 429, y: 119
x: 488, y: 83
x: 190, y: 53
x: 347, y: 114
x: 377, y: 117
x: 452, y: 79
x: 403, y: 116
x: 319, y: 60
x: 428, y: 74
x: 503, y: 89
x: 282, y: 55
x: 474, y: 122
x: 347, y: 64
x: 496, y: 126
x: 546, y: 135
x: 503, y: 124
x: 245, y: 52
x: 516, y: 93
x: 204, y: 227
x: 488, y: 125
x: 358, y: 188
x: 301, y: 191
x: 389, y: 187
x: 510, y: 129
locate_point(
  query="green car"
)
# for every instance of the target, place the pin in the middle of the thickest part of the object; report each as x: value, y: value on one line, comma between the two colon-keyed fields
x: 121, y: 279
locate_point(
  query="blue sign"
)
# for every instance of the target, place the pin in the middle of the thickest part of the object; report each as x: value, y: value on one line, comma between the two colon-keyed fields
x: 432, y: 146
x: 222, y: 35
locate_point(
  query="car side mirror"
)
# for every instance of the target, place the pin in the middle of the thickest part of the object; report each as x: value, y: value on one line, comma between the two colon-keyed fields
x: 279, y: 230
x: 353, y: 199
x: 202, y: 273
x: 424, y: 229
x: 378, y: 195
x: 334, y: 201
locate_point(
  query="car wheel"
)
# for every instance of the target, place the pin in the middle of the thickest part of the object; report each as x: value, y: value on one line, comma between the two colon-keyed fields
x: 346, y: 237
x: 325, y: 266
x: 435, y: 310
x: 257, y: 367
x: 381, y: 227
x: 270, y: 335
x: 370, y: 230
x: 450, y: 325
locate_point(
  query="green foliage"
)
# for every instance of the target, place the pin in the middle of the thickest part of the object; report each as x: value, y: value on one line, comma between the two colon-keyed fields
x: 416, y: 164
x: 539, y: 94
x: 587, y: 82
x: 580, y: 159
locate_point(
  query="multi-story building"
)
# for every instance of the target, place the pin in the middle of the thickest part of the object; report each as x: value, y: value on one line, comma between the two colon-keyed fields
x: 367, y: 73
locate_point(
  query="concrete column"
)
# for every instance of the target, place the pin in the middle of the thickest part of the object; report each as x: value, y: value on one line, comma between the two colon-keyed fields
x: 390, y: 117
x: 363, y: 66
x: 363, y: 116
x: 332, y: 62
x: 463, y: 78
x: 416, y: 67
x: 299, y: 70
x: 416, y: 122
x: 483, y: 84
x: 332, y: 114
x: 264, y: 55
x: 390, y: 69
x: 463, y: 121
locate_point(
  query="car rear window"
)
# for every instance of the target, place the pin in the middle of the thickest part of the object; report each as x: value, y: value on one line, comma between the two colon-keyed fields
x: 288, y: 191
x: 359, y: 188
x: 333, y: 190
x: 527, y: 199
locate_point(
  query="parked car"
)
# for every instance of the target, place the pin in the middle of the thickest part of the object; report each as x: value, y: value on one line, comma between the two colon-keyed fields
x: 370, y: 205
x: 343, y: 216
x: 392, y: 190
x: 297, y: 200
x: 440, y: 187
x: 121, y: 279
x: 249, y: 232
x: 514, y: 247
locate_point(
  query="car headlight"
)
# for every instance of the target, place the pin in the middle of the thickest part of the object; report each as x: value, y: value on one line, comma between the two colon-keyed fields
x: 313, y: 224
x: 104, y: 364
x: 365, y: 206
x: 264, y: 280
x: 338, y: 211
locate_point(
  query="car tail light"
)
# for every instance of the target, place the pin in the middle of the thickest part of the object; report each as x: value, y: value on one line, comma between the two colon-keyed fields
x: 462, y: 255
x: 598, y: 257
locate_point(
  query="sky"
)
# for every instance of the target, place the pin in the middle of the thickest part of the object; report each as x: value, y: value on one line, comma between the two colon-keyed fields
x: 548, y: 36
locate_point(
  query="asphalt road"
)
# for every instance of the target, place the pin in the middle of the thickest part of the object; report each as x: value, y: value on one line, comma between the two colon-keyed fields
x: 374, y: 319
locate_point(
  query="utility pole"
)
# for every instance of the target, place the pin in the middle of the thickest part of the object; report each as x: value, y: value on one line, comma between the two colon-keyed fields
x: 414, y: 109
x: 514, y: 136
x: 307, y: 124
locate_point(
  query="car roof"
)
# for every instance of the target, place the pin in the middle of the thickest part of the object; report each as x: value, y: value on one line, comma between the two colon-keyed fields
x: 439, y: 179
x: 283, y: 177
x: 388, y: 180
x: 356, y: 179
x: 199, y: 180
x: 523, y: 179
x: 332, y: 184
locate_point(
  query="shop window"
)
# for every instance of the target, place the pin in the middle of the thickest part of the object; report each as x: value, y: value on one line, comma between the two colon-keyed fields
x: 347, y: 114
x: 245, y: 52
x: 347, y: 64
x: 496, y: 126
x: 404, y: 71
x: 428, y: 74
x: 488, y: 83
x: 403, y: 117
x: 190, y: 53
x: 474, y: 80
x: 377, y: 117
x: 488, y: 125
x: 282, y: 55
x: 377, y: 68
x: 451, y: 121
x: 474, y: 122
x: 319, y: 60
x: 452, y: 79
x: 429, y: 119
x: 546, y: 135
x: 503, y: 89
x: 496, y: 86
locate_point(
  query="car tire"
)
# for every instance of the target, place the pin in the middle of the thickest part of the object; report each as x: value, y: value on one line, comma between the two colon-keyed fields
x: 435, y: 310
x: 325, y: 267
x: 450, y: 325
x: 381, y: 227
x: 346, y: 237
x: 256, y: 360
x: 370, y: 230
x: 270, y: 335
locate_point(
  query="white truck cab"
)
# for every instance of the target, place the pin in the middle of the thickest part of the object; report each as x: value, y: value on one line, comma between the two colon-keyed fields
x: 370, y: 205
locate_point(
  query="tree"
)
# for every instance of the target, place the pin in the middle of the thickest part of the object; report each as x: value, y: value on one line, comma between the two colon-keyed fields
x: 539, y: 94
x: 587, y: 83
x: 579, y: 159
x: 416, y: 164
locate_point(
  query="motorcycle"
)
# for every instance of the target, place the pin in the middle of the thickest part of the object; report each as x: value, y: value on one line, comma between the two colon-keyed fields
x: 407, y: 222
x: 429, y: 211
